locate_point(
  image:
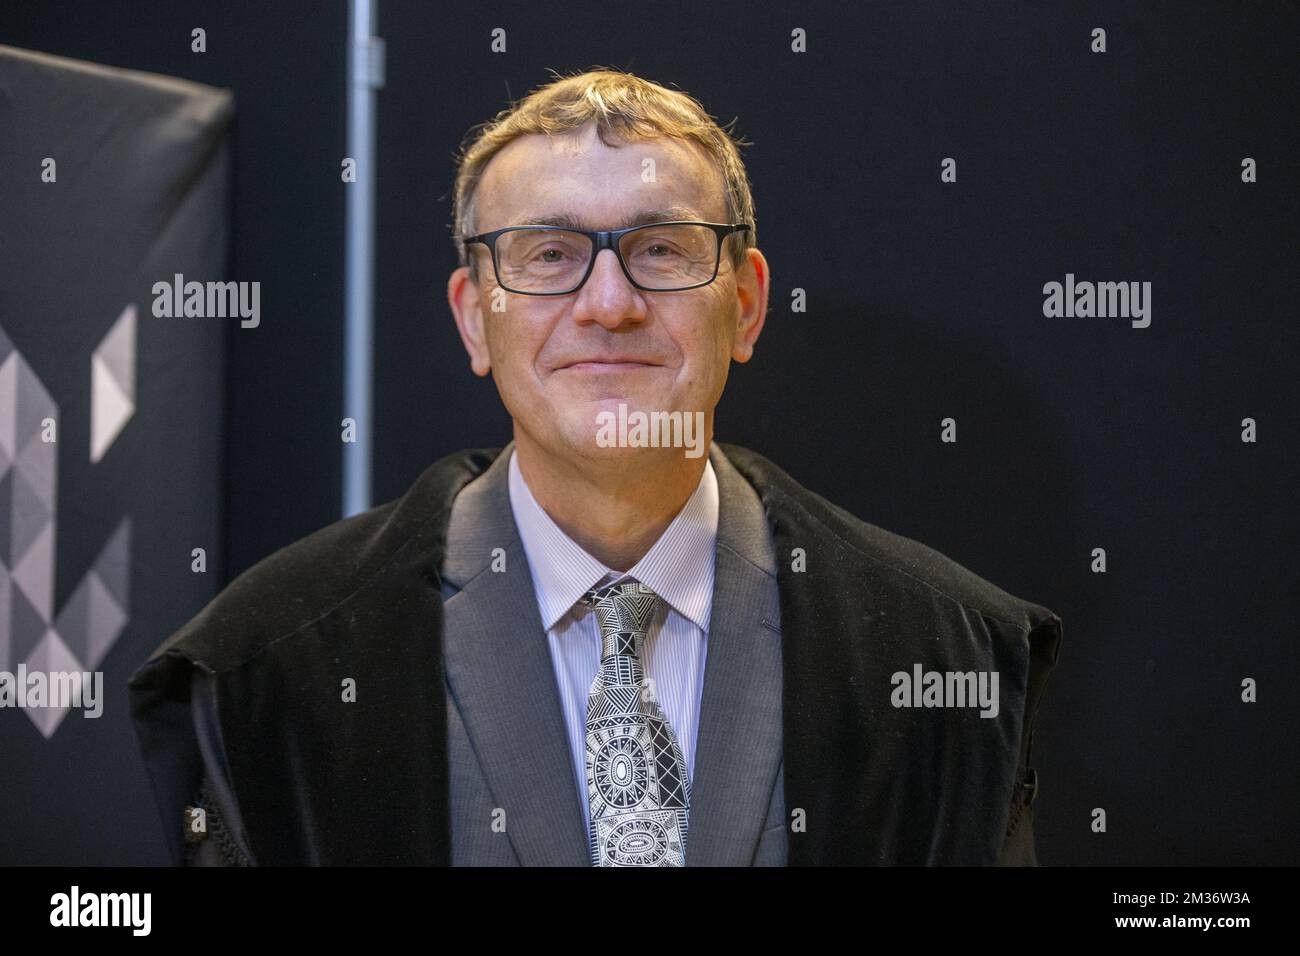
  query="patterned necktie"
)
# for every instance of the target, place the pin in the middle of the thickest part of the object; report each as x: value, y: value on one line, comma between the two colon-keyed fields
x: 637, y: 788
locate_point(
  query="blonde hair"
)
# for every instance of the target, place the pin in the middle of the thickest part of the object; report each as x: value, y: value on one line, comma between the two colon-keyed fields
x: 623, y: 106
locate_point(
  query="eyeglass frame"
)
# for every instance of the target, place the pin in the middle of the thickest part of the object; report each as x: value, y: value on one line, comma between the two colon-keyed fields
x: 608, y: 239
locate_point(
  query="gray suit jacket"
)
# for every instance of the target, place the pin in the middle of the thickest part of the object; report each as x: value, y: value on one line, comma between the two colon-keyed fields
x: 512, y: 796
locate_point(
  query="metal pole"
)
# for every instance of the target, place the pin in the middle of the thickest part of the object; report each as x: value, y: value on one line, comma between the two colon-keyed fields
x: 365, y: 76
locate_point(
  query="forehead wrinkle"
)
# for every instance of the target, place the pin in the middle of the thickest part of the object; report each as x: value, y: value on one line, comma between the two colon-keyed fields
x: 676, y: 207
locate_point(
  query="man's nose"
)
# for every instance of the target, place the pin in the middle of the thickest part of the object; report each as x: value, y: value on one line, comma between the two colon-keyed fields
x: 608, y: 297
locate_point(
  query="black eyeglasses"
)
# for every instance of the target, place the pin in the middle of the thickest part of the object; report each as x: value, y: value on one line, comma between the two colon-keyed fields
x: 657, y: 257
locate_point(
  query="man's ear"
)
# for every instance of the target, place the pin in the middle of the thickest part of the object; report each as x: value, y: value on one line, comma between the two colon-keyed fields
x: 467, y: 308
x: 753, y: 283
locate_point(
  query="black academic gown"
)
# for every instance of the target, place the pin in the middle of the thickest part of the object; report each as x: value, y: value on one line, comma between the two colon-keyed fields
x: 866, y: 782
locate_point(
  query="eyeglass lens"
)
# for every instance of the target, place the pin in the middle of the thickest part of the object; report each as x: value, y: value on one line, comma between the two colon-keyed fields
x: 662, y: 258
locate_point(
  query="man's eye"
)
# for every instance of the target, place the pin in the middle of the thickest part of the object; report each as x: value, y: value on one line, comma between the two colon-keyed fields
x: 658, y: 250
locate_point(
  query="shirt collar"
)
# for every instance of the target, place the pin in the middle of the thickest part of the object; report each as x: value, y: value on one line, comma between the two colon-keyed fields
x: 679, y: 567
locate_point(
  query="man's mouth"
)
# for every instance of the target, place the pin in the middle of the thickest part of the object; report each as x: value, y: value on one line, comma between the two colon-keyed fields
x: 608, y: 365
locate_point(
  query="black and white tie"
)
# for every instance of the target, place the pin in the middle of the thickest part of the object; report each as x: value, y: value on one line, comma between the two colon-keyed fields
x: 637, y: 787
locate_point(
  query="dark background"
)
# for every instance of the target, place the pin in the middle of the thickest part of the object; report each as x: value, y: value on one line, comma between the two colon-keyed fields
x: 924, y: 302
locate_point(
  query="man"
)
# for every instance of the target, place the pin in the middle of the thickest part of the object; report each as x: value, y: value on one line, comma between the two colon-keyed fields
x: 601, y: 645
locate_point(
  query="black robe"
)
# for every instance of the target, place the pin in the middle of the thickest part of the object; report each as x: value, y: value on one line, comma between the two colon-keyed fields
x: 866, y: 781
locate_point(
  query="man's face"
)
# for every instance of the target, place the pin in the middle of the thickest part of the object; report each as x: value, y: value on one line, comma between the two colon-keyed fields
x: 558, y: 361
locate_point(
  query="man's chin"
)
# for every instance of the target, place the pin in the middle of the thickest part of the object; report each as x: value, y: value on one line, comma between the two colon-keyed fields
x: 620, y: 430
x: 626, y: 458
x: 581, y: 434
x: 591, y: 418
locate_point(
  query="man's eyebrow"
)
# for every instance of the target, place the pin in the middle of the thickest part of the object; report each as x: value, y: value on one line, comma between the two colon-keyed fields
x: 639, y: 218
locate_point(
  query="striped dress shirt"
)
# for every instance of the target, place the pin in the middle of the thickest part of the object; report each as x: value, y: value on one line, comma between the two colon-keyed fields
x: 678, y: 567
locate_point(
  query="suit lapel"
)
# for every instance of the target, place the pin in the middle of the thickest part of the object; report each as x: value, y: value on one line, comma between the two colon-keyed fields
x: 739, y: 745
x: 501, y: 679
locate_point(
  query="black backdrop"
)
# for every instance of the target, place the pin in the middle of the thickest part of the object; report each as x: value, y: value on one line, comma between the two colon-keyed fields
x: 924, y: 302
